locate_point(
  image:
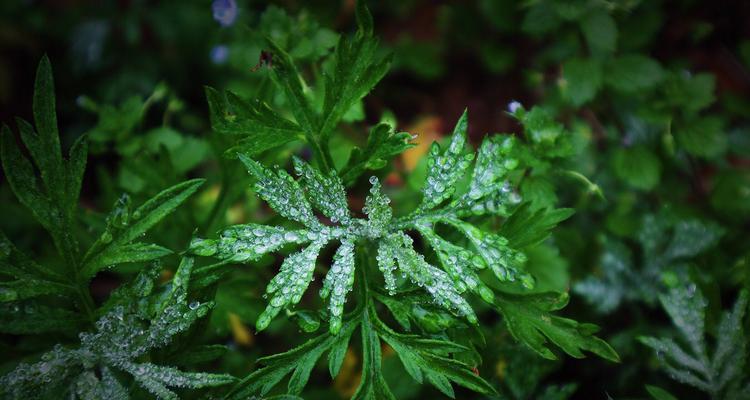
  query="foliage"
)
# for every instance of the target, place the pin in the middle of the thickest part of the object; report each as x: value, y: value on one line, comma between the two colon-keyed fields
x: 719, y: 374
x: 615, y: 180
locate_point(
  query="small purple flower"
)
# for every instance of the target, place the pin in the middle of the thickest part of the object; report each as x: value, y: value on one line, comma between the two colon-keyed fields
x: 219, y: 54
x: 513, y: 106
x: 225, y: 11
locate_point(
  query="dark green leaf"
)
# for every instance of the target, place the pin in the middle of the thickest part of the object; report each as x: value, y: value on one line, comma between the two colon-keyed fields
x: 530, y: 321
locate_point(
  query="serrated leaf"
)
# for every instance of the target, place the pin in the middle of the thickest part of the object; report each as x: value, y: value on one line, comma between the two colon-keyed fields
x: 281, y: 192
x: 354, y: 72
x: 527, y: 227
x: 721, y: 374
x: 372, y: 385
x: 530, y: 321
x: 257, y: 127
x: 116, y: 245
x: 383, y: 143
x: 325, y: 192
x: 444, y: 168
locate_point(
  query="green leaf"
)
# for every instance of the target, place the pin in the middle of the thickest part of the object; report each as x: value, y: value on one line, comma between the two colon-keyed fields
x: 446, y: 167
x: 126, y: 253
x: 281, y: 192
x: 720, y: 374
x: 254, y: 124
x: 383, y: 143
x: 527, y: 227
x: 325, y: 192
x: 372, y: 385
x: 299, y: 360
x: 658, y: 393
x: 637, y: 166
x: 114, y: 244
x: 690, y: 93
x: 285, y: 75
x: 530, y: 320
x: 30, y: 318
x: 354, y: 72
x: 704, y: 137
x: 633, y: 73
x: 23, y: 289
x: 600, y: 32
x: 427, y: 358
x: 582, y: 79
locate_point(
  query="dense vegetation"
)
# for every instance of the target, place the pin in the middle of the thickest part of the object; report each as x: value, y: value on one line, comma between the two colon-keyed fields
x: 545, y: 200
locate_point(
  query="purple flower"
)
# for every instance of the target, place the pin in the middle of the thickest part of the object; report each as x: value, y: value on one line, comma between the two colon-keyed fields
x: 225, y: 11
x: 219, y: 54
x: 513, y: 106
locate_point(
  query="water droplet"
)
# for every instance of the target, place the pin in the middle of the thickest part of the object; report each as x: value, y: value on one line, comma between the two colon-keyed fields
x: 193, y: 305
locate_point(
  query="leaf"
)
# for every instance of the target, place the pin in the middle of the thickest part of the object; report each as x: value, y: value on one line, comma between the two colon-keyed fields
x: 530, y: 321
x: 446, y: 167
x: 339, y: 282
x: 286, y: 76
x: 300, y: 360
x: 354, y: 72
x: 427, y: 358
x: 600, y: 32
x: 721, y: 374
x: 704, y: 137
x: 23, y: 289
x: 383, y: 143
x: 325, y: 192
x: 128, y: 253
x: 658, y: 393
x: 257, y: 126
x: 281, y: 192
x: 527, y: 227
x: 637, y: 166
x: 633, y: 73
x: 115, y: 246
x: 372, y: 386
x: 582, y: 79
x: 30, y: 318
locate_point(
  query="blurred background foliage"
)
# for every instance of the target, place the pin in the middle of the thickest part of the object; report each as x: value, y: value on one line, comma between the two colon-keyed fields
x: 640, y: 107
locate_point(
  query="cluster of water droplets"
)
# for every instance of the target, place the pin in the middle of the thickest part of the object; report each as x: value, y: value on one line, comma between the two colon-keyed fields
x: 325, y: 192
x: 460, y: 264
x: 339, y: 282
x: 489, y: 191
x: 378, y: 210
x: 435, y: 281
x: 129, y: 330
x: 282, y: 193
x: 443, y: 170
x: 248, y: 242
x: 288, y: 286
